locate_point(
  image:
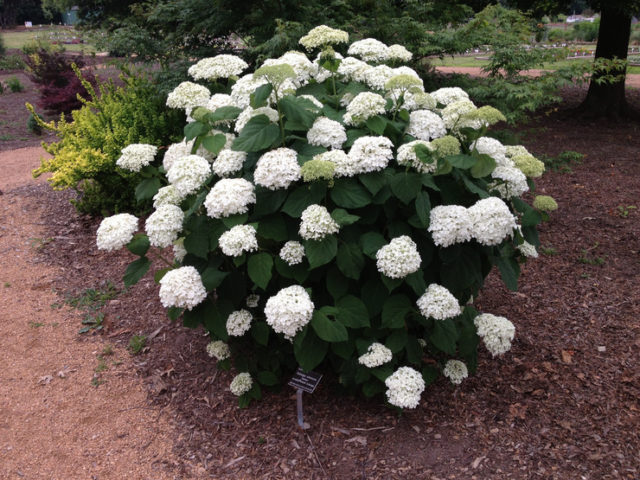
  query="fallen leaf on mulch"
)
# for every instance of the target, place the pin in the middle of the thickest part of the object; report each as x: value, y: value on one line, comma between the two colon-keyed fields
x: 567, y: 356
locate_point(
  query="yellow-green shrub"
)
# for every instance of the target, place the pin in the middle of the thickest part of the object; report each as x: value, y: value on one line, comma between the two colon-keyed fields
x: 85, y: 156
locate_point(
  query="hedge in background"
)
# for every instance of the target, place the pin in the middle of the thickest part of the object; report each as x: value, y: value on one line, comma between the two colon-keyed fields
x: 331, y: 214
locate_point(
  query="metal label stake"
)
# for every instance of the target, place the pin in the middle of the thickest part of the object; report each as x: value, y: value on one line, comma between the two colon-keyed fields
x: 303, y: 382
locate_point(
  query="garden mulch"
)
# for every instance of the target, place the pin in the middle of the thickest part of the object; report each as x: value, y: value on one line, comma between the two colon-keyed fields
x: 563, y: 403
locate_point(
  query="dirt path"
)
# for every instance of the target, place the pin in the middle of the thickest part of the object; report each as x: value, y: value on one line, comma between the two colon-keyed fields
x: 70, y: 406
x: 632, y: 80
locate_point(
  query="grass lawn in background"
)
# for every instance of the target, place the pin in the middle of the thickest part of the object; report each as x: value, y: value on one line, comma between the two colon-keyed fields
x: 51, y: 33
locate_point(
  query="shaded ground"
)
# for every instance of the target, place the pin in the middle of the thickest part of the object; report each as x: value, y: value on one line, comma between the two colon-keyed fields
x: 563, y: 403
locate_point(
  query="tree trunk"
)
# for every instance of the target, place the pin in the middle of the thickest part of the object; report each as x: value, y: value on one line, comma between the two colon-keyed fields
x: 608, y: 99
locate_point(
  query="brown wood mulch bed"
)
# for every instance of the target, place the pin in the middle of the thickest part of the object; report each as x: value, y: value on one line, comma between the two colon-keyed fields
x: 562, y: 404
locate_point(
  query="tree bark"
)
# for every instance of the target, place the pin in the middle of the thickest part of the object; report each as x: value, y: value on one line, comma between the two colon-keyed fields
x: 608, y: 99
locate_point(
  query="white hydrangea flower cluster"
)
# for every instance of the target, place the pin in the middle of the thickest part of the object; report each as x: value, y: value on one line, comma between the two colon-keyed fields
x: 364, y: 106
x: 182, y: 288
x: 239, y: 323
x: 179, y: 252
x: 377, y: 77
x: 220, y: 66
x: 163, y: 225
x: 456, y: 371
x: 219, y: 350
x: 174, y: 152
x: 353, y: 69
x: 345, y: 167
x: 404, y: 387
x: 418, y: 101
x: 438, y: 303
x: 167, y: 196
x: 248, y: 113
x: 492, y: 221
x: 316, y: 223
x: 188, y: 95
x: 447, y: 95
x: 188, y: 174
x: 219, y: 100
x: 323, y: 35
x: 510, y: 182
x: 289, y: 311
x: 426, y: 125
x: 528, y: 250
x: 292, y: 252
x: 453, y: 115
x: 277, y: 169
x: 241, y: 90
x: 240, y: 239
x: 398, y: 53
x: 327, y: 133
x: 369, y: 50
x: 398, y: 258
x: 229, y: 196
x: 302, y: 66
x: 116, y: 231
x: 370, y: 154
x: 450, y: 224
x: 493, y: 148
x: 136, y: 156
x: 377, y: 354
x: 407, y: 156
x: 241, y: 384
x: 496, y: 332
x: 252, y: 300
x: 228, y: 162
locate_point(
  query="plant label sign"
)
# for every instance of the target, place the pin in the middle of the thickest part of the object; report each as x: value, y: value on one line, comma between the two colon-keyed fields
x: 306, y: 381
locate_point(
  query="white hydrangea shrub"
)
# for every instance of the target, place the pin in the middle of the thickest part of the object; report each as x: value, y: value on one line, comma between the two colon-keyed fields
x: 349, y: 218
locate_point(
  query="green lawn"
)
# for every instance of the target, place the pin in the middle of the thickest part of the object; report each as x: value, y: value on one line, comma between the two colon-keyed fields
x: 17, y: 39
x: 475, y: 62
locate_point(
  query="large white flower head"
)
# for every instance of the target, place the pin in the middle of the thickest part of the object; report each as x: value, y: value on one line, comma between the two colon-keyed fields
x: 182, y: 288
x: 326, y: 133
x: 239, y: 323
x: 369, y: 50
x: 167, y: 196
x: 292, y: 252
x: 277, y: 169
x: 220, y: 66
x: 364, y: 106
x: 371, y: 154
x: 174, y: 152
x: 316, y: 223
x: 448, y: 95
x: 418, y: 101
x: 241, y: 384
x: 492, y: 221
x: 188, y: 95
x: 450, y: 224
x: 241, y: 90
x: 509, y: 181
x: 321, y: 36
x: 229, y: 196
x: 240, y: 239
x: 426, y: 125
x: 116, y: 231
x: 377, y: 354
x: 219, y: 350
x: 302, y: 66
x: 453, y: 115
x: 407, y: 156
x: 438, y: 303
x: 248, y: 113
x: 164, y: 224
x: 377, y: 77
x: 136, y: 156
x: 188, y: 174
x: 456, y: 371
x: 289, y: 311
x: 493, y: 148
x: 398, y: 53
x: 398, y: 258
x: 404, y: 387
x: 219, y: 100
x: 345, y: 166
x: 496, y: 332
x: 353, y: 69
x: 228, y: 162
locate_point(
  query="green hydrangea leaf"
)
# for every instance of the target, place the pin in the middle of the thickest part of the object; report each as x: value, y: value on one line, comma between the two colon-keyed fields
x: 139, y: 244
x: 309, y: 350
x: 147, y: 188
x: 350, y: 260
x: 394, y: 311
x: 260, y: 96
x: 483, y: 167
x: 259, y: 267
x: 352, y: 312
x: 135, y: 271
x: 259, y: 133
x: 195, y: 129
x: 405, y: 185
x: 444, y: 336
x: 327, y: 329
x: 214, y: 143
x: 260, y: 332
x: 321, y: 252
x: 343, y: 218
x: 347, y: 193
